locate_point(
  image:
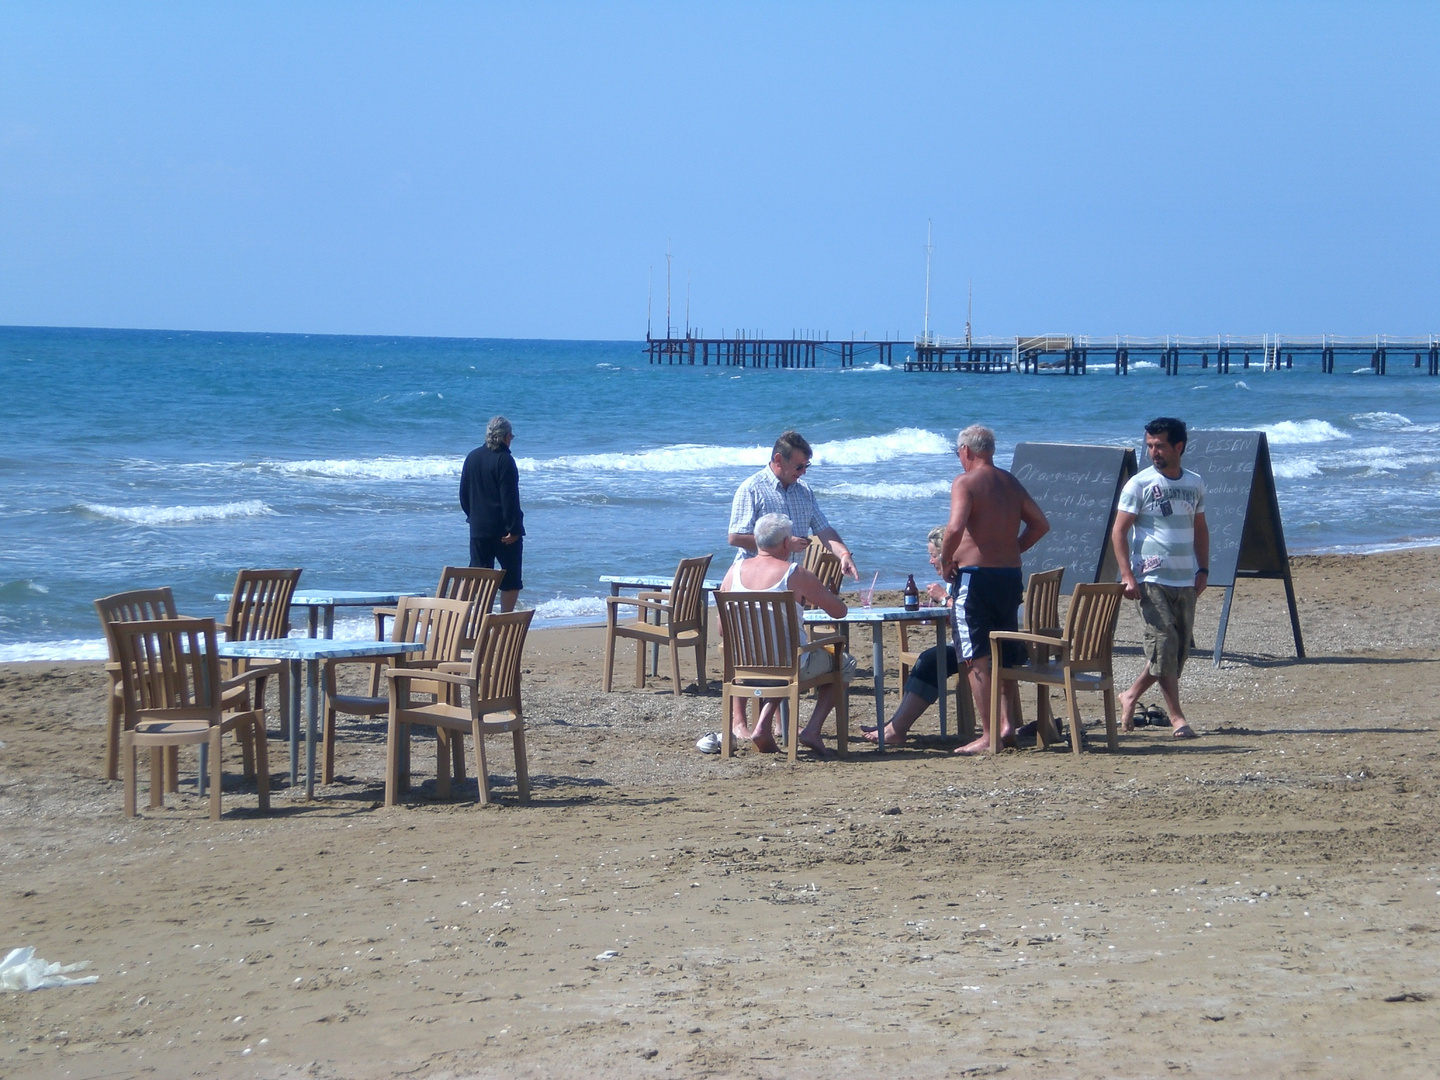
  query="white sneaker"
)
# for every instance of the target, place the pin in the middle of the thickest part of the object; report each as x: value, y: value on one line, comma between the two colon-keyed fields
x: 709, y: 743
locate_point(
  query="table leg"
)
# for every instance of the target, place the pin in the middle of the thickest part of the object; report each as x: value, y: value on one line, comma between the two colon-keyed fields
x: 942, y: 670
x: 312, y: 715
x: 329, y: 620
x: 877, y: 655
x: 294, y: 733
x: 312, y: 619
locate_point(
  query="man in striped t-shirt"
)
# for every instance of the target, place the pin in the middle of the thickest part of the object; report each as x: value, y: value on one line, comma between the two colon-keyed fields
x: 1167, y: 568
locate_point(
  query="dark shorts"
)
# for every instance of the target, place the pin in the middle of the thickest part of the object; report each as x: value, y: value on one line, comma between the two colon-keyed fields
x: 924, y: 678
x: 986, y: 598
x: 486, y: 551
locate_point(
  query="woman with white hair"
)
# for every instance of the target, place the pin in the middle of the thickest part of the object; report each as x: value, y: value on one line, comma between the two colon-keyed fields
x: 772, y: 571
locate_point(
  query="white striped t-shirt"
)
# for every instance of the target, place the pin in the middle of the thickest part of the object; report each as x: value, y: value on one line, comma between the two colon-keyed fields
x: 1162, y: 549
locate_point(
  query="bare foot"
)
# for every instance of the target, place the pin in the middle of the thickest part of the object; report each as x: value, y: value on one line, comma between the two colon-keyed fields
x: 763, y: 741
x: 980, y: 745
x: 892, y: 737
x: 739, y: 731
x: 1127, y: 711
x: 1183, y: 730
x: 815, y: 744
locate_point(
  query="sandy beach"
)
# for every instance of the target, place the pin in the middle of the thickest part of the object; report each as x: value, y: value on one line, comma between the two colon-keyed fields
x: 1265, y: 900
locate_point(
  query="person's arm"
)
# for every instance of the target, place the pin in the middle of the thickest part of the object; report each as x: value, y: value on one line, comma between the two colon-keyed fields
x: 835, y: 544
x: 807, y: 587
x: 743, y: 513
x: 955, y: 527
x: 744, y: 541
x: 1035, y: 523
x: 510, y: 501
x: 1202, y: 553
x: 1120, y: 538
x: 465, y: 489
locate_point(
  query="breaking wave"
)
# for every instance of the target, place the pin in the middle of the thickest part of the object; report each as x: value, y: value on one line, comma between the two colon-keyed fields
x: 176, y: 515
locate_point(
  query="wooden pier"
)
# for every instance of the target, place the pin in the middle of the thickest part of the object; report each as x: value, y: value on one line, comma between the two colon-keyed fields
x: 765, y: 352
x: 1049, y: 354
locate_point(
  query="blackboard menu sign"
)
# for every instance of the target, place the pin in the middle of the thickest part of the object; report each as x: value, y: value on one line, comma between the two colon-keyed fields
x: 1077, y: 487
x: 1243, y: 513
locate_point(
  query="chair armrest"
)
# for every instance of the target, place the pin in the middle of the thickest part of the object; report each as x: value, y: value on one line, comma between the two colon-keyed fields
x: 1032, y: 639
x: 248, y: 675
x: 385, y: 612
x: 454, y: 667
x: 637, y: 602
x: 823, y: 642
x: 453, y: 678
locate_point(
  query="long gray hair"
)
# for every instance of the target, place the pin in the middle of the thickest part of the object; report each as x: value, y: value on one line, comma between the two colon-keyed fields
x: 497, y: 431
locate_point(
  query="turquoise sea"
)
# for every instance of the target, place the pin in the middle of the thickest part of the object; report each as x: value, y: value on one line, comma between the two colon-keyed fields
x: 136, y: 458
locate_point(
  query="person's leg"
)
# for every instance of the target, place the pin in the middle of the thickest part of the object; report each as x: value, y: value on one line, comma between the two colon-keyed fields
x: 1182, y: 610
x: 810, y: 736
x: 1144, y: 681
x: 763, y: 735
x: 507, y: 599
x: 921, y: 692
x: 992, y: 603
x: 978, y: 672
x: 511, y: 558
x: 1158, y: 646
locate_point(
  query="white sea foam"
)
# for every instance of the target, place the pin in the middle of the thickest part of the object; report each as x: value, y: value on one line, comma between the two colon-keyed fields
x: 177, y: 515
x: 1302, y: 468
x: 1139, y: 365
x: 887, y: 491
x: 583, y: 607
x: 379, y: 468
x: 877, y: 366
x: 695, y: 457
x: 1382, y: 421
x: 1296, y: 432
x: 75, y: 649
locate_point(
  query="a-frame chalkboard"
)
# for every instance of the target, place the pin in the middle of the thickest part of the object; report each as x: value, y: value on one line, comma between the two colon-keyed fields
x: 1077, y: 487
x: 1246, y: 536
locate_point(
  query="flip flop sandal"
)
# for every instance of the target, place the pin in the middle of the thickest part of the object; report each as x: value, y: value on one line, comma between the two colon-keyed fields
x: 1140, y: 717
x: 1157, y: 716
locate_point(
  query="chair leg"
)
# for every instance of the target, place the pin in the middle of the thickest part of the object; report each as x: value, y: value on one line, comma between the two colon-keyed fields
x: 482, y: 768
x: 1072, y: 705
x: 172, y: 768
x: 1045, y: 732
x: 245, y: 736
x: 997, y: 683
x: 215, y: 783
x: 700, y: 666
x: 392, y: 761
x: 1112, y: 737
x: 522, y: 766
x: 457, y: 755
x: 639, y: 663
x: 262, y: 764
x: 842, y: 717
x: 727, y: 735
x: 128, y: 753
x: 157, y: 777
x: 793, y: 735
x: 442, y: 763
x: 327, y: 744
x: 113, y: 719
x: 605, y: 683
x: 675, y: 665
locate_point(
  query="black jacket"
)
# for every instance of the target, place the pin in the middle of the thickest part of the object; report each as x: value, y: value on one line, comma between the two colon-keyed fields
x: 490, y: 493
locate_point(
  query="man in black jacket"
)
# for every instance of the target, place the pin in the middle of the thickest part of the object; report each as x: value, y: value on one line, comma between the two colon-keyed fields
x: 490, y: 497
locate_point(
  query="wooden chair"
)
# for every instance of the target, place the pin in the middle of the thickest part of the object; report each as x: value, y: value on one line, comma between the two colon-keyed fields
x: 173, y: 696
x: 473, y: 583
x: 824, y: 564
x: 438, y: 624
x: 682, y: 617
x: 259, y: 611
x: 491, y: 682
x: 1079, y: 659
x: 138, y: 605
x: 762, y: 652
x: 1042, y: 616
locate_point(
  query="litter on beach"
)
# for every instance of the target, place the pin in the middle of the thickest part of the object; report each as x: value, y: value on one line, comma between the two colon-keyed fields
x: 21, y: 971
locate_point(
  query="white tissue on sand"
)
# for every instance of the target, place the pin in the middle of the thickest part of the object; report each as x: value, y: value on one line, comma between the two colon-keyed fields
x: 21, y: 971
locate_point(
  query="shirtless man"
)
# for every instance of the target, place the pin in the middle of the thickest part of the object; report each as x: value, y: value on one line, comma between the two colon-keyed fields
x: 992, y: 520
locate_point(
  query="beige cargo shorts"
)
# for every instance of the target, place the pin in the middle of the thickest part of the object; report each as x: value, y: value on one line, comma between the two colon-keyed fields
x: 1168, y: 615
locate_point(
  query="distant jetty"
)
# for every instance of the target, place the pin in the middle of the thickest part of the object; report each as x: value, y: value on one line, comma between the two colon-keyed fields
x: 1044, y: 354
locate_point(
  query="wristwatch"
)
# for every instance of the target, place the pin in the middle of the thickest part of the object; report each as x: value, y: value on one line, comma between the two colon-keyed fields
x: 1203, y: 570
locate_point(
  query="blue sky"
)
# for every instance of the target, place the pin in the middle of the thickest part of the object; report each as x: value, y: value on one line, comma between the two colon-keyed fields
x: 517, y: 170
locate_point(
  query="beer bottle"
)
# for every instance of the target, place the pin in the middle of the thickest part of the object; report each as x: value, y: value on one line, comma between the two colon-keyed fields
x: 912, y: 594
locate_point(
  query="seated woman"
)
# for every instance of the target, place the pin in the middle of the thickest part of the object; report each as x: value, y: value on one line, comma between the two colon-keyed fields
x: 922, y: 689
x: 771, y: 570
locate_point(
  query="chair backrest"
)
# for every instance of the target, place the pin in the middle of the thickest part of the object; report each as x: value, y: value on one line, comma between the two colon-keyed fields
x: 476, y: 584
x: 499, y: 650
x: 135, y: 606
x: 169, y: 668
x: 824, y: 564
x: 260, y: 605
x: 761, y: 632
x: 1042, y: 600
x: 439, y: 624
x: 1090, y: 624
x: 687, y: 593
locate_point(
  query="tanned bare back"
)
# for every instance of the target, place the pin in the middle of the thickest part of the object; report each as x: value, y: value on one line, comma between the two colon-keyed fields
x: 988, y: 508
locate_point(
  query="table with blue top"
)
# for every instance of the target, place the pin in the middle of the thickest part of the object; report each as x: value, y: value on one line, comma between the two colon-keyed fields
x: 309, y: 651
x: 876, y: 618
x: 327, y: 600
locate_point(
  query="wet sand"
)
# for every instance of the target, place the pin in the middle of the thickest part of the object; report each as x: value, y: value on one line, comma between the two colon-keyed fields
x: 1265, y: 899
